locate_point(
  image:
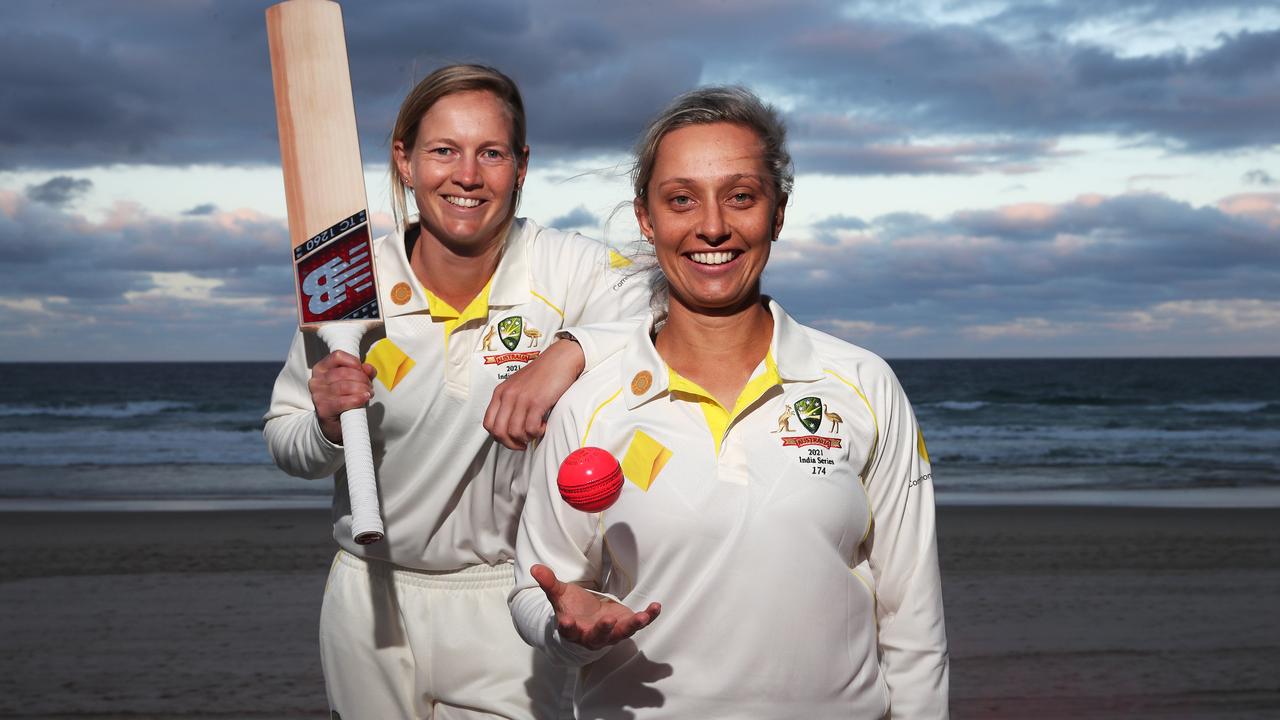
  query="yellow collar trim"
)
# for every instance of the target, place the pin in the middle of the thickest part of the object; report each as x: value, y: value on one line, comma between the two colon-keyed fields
x: 719, y: 418
x: 477, y: 309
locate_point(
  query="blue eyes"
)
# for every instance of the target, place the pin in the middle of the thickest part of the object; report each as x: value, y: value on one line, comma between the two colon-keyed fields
x: 488, y: 155
x: 739, y: 199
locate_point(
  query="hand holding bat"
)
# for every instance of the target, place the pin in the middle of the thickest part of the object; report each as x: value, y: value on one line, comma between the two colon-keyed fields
x: 339, y: 382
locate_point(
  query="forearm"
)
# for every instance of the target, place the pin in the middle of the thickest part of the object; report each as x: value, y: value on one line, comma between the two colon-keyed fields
x: 291, y: 427
x: 298, y: 447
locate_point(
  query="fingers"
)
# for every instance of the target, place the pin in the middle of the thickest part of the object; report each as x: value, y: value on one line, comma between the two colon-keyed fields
x: 499, y: 418
x: 547, y: 580
x: 337, y: 359
x: 600, y: 623
x: 491, y: 414
x: 515, y: 417
x: 629, y: 626
x: 600, y: 635
x: 339, y: 382
x: 517, y: 414
x: 607, y: 630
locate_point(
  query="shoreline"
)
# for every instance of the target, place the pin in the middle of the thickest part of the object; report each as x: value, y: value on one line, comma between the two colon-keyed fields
x: 1052, y: 612
x: 1225, y: 498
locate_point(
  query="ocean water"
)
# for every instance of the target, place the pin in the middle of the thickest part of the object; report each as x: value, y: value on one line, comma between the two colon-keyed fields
x: 177, y: 434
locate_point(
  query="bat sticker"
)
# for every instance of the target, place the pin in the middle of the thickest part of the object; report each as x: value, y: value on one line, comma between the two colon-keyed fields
x: 335, y: 273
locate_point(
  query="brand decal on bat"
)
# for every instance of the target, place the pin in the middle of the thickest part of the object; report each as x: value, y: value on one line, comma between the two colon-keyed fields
x: 335, y: 273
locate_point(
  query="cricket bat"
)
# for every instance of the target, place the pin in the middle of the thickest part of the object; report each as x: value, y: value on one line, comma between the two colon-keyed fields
x: 336, y: 286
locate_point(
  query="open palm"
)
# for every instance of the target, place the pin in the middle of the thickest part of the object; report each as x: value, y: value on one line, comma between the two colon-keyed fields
x: 588, y: 619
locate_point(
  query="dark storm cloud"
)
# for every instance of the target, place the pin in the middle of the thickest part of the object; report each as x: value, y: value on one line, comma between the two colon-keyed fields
x: 962, y: 79
x: 953, y: 159
x: 88, y: 83
x: 1041, y: 17
x: 59, y: 190
x: 53, y: 253
x: 1114, y: 254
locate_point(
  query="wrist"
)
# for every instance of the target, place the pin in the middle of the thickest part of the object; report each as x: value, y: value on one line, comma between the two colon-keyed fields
x: 572, y: 348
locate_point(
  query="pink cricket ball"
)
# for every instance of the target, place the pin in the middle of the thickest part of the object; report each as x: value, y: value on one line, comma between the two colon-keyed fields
x: 590, y: 479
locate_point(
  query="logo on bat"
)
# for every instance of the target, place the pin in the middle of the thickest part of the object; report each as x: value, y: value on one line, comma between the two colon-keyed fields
x: 335, y: 278
x: 326, y: 286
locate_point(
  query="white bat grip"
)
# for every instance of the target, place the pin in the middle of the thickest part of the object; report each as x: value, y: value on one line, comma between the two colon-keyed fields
x: 366, y: 517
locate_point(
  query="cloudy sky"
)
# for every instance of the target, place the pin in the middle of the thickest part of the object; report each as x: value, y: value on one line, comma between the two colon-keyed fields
x: 975, y: 179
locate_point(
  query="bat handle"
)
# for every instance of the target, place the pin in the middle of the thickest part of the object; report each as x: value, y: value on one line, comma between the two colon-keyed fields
x: 366, y: 518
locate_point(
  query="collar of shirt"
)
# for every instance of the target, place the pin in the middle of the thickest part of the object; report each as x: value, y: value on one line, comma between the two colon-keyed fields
x: 646, y: 376
x: 508, y: 287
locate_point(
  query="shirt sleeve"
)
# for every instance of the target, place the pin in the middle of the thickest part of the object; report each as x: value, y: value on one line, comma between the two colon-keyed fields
x: 605, y: 303
x: 291, y: 428
x: 903, y: 557
x: 553, y: 534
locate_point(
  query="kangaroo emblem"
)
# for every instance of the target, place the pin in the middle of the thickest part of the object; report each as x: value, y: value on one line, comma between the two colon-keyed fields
x: 488, y: 337
x: 784, y: 421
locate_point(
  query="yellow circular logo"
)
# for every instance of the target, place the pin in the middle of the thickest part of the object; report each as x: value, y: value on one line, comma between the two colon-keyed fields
x: 401, y: 293
x: 641, y: 382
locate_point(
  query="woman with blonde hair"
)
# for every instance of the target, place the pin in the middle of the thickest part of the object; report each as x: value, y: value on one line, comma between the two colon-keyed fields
x: 772, y: 553
x: 417, y: 625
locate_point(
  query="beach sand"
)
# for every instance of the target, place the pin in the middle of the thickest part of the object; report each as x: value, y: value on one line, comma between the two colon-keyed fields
x: 1052, y: 612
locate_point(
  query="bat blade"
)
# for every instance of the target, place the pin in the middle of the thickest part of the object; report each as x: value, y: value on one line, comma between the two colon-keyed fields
x: 320, y: 154
x: 334, y: 277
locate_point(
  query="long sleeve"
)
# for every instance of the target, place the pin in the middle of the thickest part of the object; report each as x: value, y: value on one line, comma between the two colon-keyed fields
x: 904, y: 558
x: 553, y: 534
x: 605, y: 303
x: 291, y: 428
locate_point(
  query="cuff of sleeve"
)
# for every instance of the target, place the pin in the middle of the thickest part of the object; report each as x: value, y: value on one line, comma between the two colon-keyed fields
x: 590, y: 352
x: 322, y: 443
x: 535, y: 621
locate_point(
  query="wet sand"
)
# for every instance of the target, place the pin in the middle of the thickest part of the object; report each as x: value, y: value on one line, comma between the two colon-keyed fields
x: 1052, y: 612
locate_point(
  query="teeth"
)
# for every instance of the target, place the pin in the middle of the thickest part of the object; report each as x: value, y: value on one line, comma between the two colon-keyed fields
x: 462, y: 202
x: 711, y: 258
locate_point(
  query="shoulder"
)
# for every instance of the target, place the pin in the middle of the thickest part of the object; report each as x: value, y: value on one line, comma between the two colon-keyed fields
x: 853, y: 364
x: 560, y: 250
x: 552, y: 240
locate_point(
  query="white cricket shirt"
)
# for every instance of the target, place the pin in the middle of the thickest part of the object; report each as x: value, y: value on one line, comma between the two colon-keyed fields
x: 790, y: 539
x: 450, y: 494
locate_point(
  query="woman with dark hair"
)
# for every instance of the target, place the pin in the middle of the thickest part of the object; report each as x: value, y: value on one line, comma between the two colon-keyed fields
x: 777, y: 498
x: 417, y: 625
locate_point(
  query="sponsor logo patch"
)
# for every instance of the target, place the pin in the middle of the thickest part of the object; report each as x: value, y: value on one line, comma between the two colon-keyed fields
x: 642, y: 381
